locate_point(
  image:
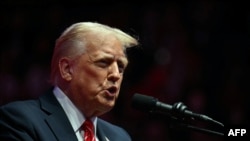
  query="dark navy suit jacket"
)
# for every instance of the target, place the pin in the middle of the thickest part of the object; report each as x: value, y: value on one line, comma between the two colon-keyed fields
x: 45, y: 120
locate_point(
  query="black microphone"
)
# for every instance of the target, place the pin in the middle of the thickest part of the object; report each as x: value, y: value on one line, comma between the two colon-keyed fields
x: 179, y: 110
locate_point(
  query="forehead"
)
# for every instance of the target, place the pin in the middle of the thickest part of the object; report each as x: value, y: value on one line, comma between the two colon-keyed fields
x: 107, y: 52
x: 106, y: 46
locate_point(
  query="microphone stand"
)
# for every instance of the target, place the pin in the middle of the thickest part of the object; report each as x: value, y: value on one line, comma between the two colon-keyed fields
x: 198, y: 129
x: 180, y: 116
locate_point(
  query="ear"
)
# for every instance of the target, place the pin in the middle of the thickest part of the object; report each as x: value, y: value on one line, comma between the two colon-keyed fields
x: 65, y: 67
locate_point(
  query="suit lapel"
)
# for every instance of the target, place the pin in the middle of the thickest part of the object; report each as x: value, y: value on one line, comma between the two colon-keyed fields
x: 57, y: 119
x: 101, y: 135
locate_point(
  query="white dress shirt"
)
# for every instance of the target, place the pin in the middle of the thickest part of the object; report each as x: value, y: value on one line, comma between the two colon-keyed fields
x: 75, y: 117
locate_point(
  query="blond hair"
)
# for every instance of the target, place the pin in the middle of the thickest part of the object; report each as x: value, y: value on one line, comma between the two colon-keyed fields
x: 74, y: 39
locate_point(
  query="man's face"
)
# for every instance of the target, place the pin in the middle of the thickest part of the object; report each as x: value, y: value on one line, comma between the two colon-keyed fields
x: 97, y: 76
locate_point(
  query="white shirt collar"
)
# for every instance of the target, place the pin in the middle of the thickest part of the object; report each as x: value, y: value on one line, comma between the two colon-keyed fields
x: 75, y: 117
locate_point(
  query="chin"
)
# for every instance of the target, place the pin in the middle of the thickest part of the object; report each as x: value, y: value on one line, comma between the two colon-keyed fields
x: 103, y: 111
x: 109, y: 106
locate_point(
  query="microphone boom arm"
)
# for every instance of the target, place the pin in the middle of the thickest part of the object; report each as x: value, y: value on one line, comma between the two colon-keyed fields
x: 177, y: 112
x: 194, y: 128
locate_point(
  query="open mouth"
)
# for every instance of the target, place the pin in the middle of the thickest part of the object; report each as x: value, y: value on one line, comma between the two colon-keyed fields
x: 112, y: 90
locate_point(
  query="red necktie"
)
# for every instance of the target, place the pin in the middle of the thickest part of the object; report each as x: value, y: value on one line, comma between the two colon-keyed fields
x: 88, y: 129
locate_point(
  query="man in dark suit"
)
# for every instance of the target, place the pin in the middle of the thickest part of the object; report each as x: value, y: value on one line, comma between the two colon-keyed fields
x: 87, y: 69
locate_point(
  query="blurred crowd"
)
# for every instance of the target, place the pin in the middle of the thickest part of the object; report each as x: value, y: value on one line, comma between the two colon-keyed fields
x: 195, y: 51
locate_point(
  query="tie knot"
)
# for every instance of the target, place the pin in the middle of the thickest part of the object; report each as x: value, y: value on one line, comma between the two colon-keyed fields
x: 88, y: 129
x: 88, y: 125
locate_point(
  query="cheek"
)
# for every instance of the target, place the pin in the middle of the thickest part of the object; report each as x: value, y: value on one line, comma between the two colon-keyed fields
x: 90, y: 77
x: 120, y: 80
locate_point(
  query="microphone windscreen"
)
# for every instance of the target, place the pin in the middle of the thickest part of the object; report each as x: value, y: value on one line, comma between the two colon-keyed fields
x: 143, y: 102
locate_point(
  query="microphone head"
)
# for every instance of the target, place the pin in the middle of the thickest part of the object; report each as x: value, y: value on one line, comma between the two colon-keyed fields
x: 143, y: 102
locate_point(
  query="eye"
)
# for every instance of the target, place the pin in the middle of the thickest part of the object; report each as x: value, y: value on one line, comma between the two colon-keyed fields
x: 103, y: 63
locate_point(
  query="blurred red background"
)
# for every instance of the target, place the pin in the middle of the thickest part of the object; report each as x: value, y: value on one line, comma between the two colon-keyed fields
x: 195, y: 51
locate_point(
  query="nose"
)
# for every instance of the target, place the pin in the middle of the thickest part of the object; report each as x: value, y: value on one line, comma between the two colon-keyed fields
x: 114, y: 73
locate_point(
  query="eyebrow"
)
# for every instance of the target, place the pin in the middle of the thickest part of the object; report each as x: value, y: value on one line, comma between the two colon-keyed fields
x: 122, y: 59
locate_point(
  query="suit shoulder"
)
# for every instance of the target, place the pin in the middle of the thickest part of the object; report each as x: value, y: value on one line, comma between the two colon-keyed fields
x: 114, y: 130
x: 19, y: 108
x: 108, y: 124
x: 22, y: 105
